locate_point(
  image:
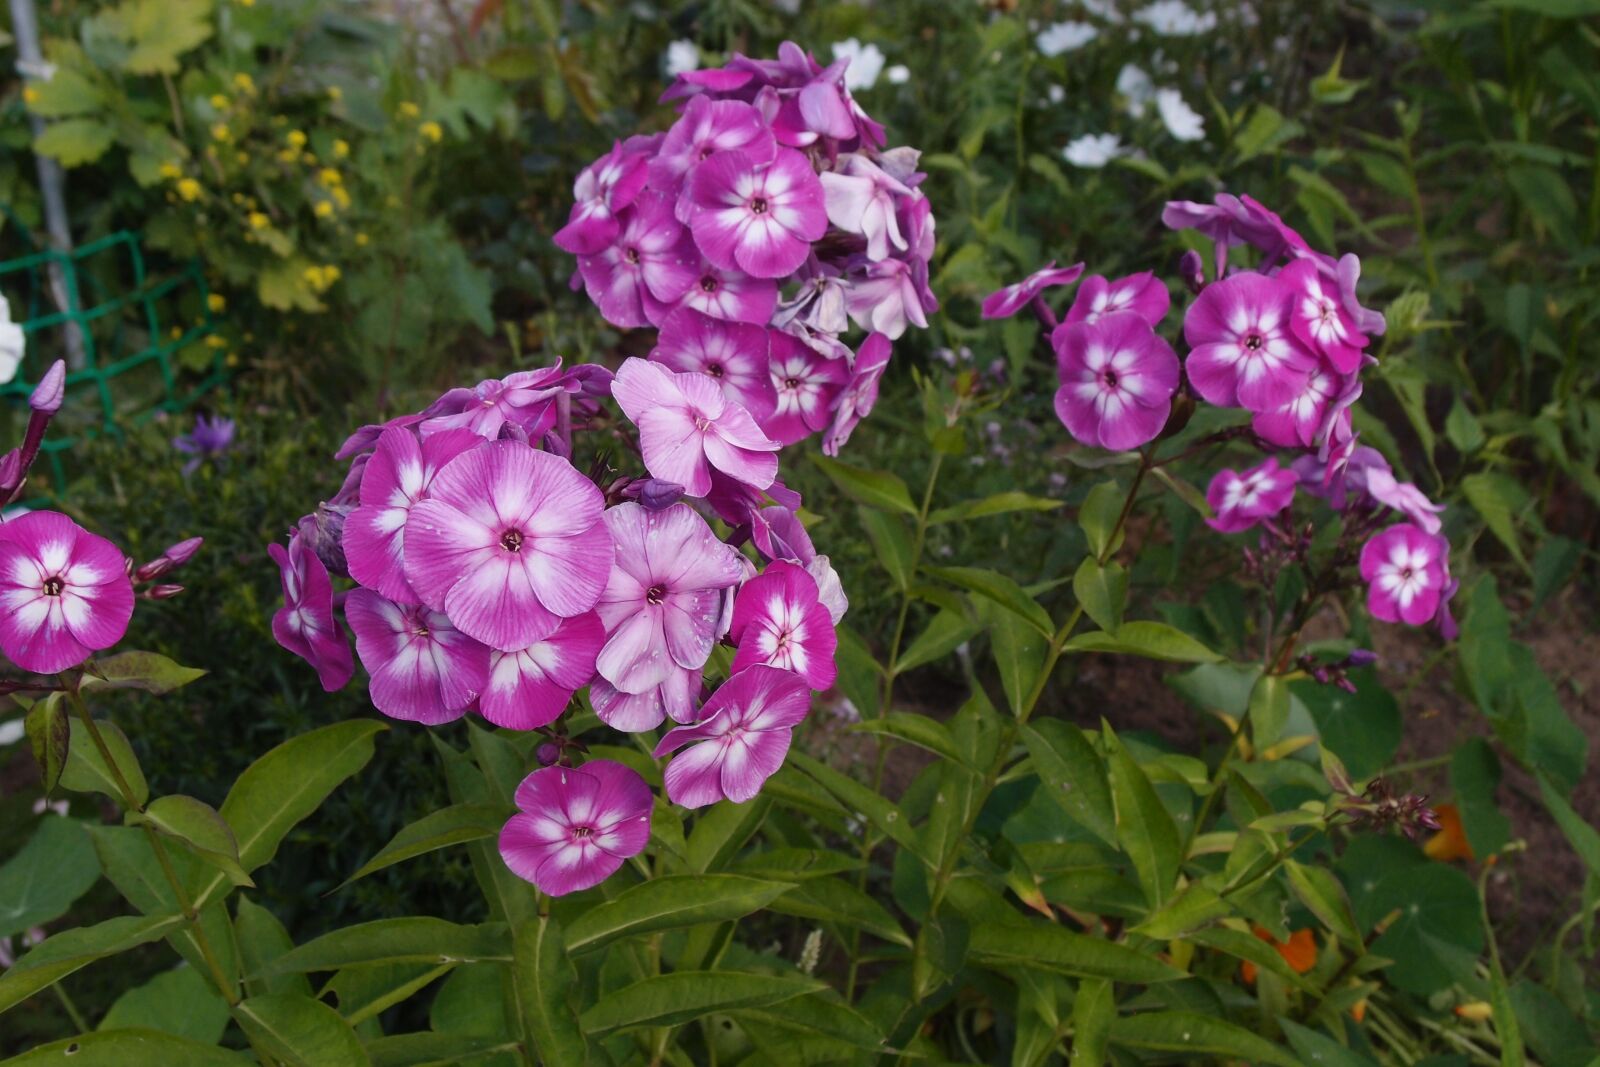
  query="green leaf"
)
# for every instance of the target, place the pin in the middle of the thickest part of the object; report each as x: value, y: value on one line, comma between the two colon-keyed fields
x: 1269, y: 710
x: 1313, y: 1046
x: 1189, y: 494
x: 55, y: 958
x: 1144, y: 827
x: 947, y: 631
x: 437, y: 1050
x: 367, y: 990
x: 834, y: 900
x: 66, y: 92
x: 1475, y: 775
x: 875, y: 489
x: 1361, y: 728
x: 454, y: 825
x: 129, y: 1048
x: 545, y: 982
x: 1498, y: 498
x: 1195, y: 907
x: 1196, y: 1036
x: 300, y: 1032
x: 74, y: 142
x: 1048, y: 947
x: 412, y: 939
x: 998, y: 504
x: 55, y: 867
x: 1584, y: 838
x: 1548, y: 199
x: 262, y: 939
x: 1323, y: 896
x: 1243, y: 946
x: 86, y: 770
x: 179, y: 1002
x: 879, y: 811
x: 817, y: 1014
x: 683, y: 996
x: 1073, y: 775
x: 1153, y: 640
x: 918, y: 730
x: 1000, y: 590
x: 148, y: 671
x: 892, y: 543
x: 1438, y: 934
x: 1559, y: 9
x: 1103, y: 592
x: 1019, y: 654
x: 1098, y: 516
x: 670, y: 902
x: 1093, y: 1009
x: 197, y: 825
x: 49, y: 731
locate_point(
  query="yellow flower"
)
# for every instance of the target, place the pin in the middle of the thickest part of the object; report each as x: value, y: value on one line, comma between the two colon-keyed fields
x: 244, y: 83
x: 432, y: 131
x: 30, y: 95
x: 342, y: 197
x: 232, y: 358
x: 313, y: 275
x: 341, y: 149
x: 409, y: 110
x: 247, y: 3
x: 241, y: 158
x: 259, y: 220
x: 361, y: 240
x: 216, y: 302
x: 176, y: 332
x: 220, y: 102
x: 335, y: 93
x: 323, y: 210
x: 189, y: 189
x: 296, y: 139
x: 330, y: 274
x: 216, y: 342
x: 288, y: 155
x: 220, y: 131
x: 329, y: 176
x: 308, y: 159
x: 170, y: 171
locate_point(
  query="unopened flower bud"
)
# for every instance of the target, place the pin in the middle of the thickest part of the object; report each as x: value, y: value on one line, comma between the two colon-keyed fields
x: 51, y: 390
x: 11, y: 475
x: 547, y: 753
x: 170, y: 560
x: 1182, y: 409
x: 1191, y: 268
x: 656, y: 494
x: 1361, y: 657
x: 327, y: 537
x: 163, y: 592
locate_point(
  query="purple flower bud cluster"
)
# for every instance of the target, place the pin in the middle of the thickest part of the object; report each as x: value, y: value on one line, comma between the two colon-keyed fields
x: 1379, y: 809
x: 490, y: 574
x: 1285, y: 341
x: 752, y: 233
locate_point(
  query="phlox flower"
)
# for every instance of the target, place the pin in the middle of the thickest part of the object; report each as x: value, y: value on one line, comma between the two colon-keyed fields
x: 677, y: 698
x: 1241, y: 500
x: 731, y: 354
x: 819, y: 302
x: 64, y: 592
x: 394, y: 479
x: 663, y: 600
x: 1243, y: 353
x: 860, y: 396
x: 1118, y: 377
x: 1405, y: 568
x: 889, y: 296
x: 1062, y: 37
x: 306, y: 625
x: 525, y: 399
x: 532, y: 686
x: 688, y: 427
x: 758, y: 217
x: 779, y: 620
x: 1093, y: 150
x: 575, y: 826
x: 1004, y: 303
x: 861, y: 198
x: 806, y: 384
x: 740, y: 740
x: 602, y: 189
x: 706, y: 128
x: 732, y: 295
x: 1318, y: 318
x: 1143, y: 294
x: 1299, y: 420
x: 422, y: 668
x: 507, y: 543
x: 646, y: 270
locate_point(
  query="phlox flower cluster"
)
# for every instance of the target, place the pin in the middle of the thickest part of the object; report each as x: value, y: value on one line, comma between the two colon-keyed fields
x: 754, y: 232
x: 1284, y: 341
x: 482, y: 571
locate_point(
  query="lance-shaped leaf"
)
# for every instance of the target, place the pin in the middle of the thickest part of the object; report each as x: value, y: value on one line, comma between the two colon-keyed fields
x: 197, y: 825
x: 1196, y: 1037
x: 875, y: 489
x: 666, y: 903
x: 149, y: 671
x: 413, y: 939
x: 133, y: 1047
x: 300, y: 1032
x: 455, y: 825
x: 682, y: 996
x: 56, y: 957
x: 1045, y: 946
x: 40, y: 882
x: 544, y: 980
x: 50, y: 735
x: 86, y: 769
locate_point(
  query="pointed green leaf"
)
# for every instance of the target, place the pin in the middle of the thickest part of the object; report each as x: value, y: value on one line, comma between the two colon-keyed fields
x: 1092, y: 1013
x: 875, y: 489
x: 1145, y: 828
x: 545, y: 983
x: 129, y: 1048
x: 1153, y: 640
x: 1269, y: 710
x: 891, y: 541
x: 914, y: 729
x: 262, y: 939
x: 181, y: 1002
x: 197, y: 825
x: 149, y: 671
x: 1103, y: 592
x: 946, y: 631
x: 998, y: 504
x: 1002, y: 591
x: 1046, y: 946
x: 683, y: 996
x: 835, y: 900
x: 298, y: 1031
x: 86, y: 769
x: 455, y: 825
x: 1073, y: 775
x: 670, y: 902
x: 49, y: 731
x: 413, y: 939
x: 39, y: 883
x: 58, y: 956
x: 1196, y: 1037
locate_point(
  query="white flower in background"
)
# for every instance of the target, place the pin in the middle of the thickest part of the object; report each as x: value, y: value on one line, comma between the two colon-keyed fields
x: 11, y: 732
x: 1093, y: 150
x: 1135, y: 86
x: 12, y: 343
x: 1180, y: 119
x: 1174, y: 18
x: 1103, y: 9
x: 682, y: 57
x: 1056, y: 93
x: 1065, y: 37
x: 898, y: 74
x: 866, y: 63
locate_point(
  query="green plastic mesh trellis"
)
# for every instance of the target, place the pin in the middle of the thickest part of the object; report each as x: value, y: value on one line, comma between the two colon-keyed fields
x: 144, y: 340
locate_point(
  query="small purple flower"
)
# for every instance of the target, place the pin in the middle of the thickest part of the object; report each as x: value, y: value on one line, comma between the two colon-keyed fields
x: 732, y: 354
x: 1004, y: 303
x: 889, y: 296
x: 1318, y: 318
x: 1143, y: 294
x: 687, y: 427
x: 422, y: 668
x: 807, y: 386
x: 1118, y: 377
x: 1240, y: 501
x: 64, y: 593
x: 862, y: 199
x: 210, y: 439
x: 636, y: 279
x: 706, y: 128
x: 532, y: 686
x: 740, y: 740
x: 758, y: 217
x: 602, y: 190
x: 1405, y: 568
x: 524, y: 399
x: 779, y: 621
x: 1242, y: 351
x: 575, y: 826
x: 306, y: 625
x: 861, y: 395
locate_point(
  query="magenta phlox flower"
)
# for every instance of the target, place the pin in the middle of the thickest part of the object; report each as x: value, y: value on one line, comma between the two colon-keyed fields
x: 862, y: 199
x: 779, y: 621
x: 1004, y: 303
x: 1242, y: 350
x: 740, y: 740
x: 1404, y: 497
x: 306, y: 625
x: 1143, y: 294
x: 637, y: 278
x: 1241, y: 500
x: 807, y: 386
x: 602, y: 191
x: 532, y: 686
x: 1298, y: 421
x: 576, y: 826
x: 888, y: 296
x: 860, y: 396
x: 396, y: 477
x: 525, y: 399
x: 1118, y: 377
x: 758, y: 217
x: 1405, y: 568
x: 730, y: 294
x: 422, y: 668
x: 688, y: 427
x: 731, y: 354
x: 707, y: 127
x: 64, y: 592
x: 663, y: 600
x: 819, y: 303
x: 507, y: 543
x: 1318, y: 318
x: 736, y: 502
x: 677, y: 697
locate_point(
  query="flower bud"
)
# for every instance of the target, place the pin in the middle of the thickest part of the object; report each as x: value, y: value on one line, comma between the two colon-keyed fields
x: 170, y: 560
x: 327, y: 537
x: 350, y: 492
x: 655, y: 494
x: 547, y: 753
x: 1191, y: 268
x: 1361, y: 657
x: 12, y: 474
x: 163, y: 592
x: 51, y: 390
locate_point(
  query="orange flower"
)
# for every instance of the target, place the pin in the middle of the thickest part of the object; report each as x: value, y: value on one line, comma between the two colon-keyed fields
x: 1299, y: 952
x: 1450, y: 843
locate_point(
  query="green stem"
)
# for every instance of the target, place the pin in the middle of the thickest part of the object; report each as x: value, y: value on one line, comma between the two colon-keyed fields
x: 73, y: 1013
